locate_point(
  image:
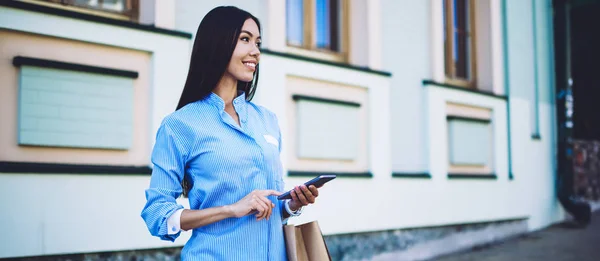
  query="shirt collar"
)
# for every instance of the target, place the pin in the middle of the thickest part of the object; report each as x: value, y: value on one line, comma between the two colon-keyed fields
x: 239, y: 103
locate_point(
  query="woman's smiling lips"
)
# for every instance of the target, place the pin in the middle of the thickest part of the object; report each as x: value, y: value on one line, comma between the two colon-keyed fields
x: 250, y: 65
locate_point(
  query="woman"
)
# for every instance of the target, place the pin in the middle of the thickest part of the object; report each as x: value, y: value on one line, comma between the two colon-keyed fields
x: 222, y: 152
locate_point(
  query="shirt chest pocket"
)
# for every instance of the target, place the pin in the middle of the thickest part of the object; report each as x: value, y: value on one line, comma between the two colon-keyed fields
x: 272, y: 141
x: 270, y: 145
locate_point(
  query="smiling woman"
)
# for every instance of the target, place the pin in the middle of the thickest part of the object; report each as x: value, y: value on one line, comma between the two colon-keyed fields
x: 222, y: 151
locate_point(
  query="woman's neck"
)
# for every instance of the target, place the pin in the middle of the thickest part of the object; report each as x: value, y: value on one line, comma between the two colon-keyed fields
x: 226, y: 89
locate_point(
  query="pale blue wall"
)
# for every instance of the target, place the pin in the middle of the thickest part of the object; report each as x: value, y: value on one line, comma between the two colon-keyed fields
x: 520, y: 28
x: 545, y: 51
x: 406, y: 54
x: 74, y: 109
x: 534, y: 161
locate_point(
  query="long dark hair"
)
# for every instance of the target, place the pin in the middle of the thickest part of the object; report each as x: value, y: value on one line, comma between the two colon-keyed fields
x: 215, y: 42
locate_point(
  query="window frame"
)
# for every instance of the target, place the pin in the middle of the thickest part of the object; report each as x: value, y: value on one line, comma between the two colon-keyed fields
x: 449, y: 69
x: 463, y: 112
x: 309, y: 46
x: 301, y: 88
x: 131, y: 12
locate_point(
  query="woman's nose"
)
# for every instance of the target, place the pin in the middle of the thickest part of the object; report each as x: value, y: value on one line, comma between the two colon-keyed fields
x: 255, y: 51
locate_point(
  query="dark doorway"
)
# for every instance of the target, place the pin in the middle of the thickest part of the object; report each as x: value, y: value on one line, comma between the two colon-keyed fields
x: 585, y: 68
x: 577, y: 56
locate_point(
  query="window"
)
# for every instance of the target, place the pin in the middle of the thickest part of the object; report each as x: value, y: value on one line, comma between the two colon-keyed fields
x: 341, y: 146
x: 123, y: 9
x: 470, y: 139
x: 74, y: 106
x: 316, y: 24
x: 459, y: 42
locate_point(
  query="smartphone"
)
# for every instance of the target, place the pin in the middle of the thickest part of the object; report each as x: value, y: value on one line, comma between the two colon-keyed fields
x: 317, y: 182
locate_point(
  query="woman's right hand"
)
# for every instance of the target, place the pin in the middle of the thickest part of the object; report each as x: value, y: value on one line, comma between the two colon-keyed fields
x: 256, y: 201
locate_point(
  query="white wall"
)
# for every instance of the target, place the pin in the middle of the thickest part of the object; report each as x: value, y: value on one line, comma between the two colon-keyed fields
x: 170, y: 54
x: 52, y: 214
x: 413, y: 51
x: 42, y: 203
x: 406, y: 54
x: 340, y: 196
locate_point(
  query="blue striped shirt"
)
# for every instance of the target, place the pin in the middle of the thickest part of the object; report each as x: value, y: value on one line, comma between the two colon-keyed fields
x: 225, y: 162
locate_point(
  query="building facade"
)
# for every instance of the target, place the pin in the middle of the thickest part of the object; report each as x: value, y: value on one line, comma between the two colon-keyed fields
x: 437, y: 116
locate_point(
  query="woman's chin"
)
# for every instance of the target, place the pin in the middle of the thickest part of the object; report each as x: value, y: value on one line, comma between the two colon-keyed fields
x: 246, y: 79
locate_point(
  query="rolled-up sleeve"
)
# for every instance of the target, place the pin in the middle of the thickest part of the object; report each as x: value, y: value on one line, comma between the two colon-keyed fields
x: 169, y: 161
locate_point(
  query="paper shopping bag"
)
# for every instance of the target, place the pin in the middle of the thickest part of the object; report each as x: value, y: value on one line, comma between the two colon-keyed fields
x: 305, y: 242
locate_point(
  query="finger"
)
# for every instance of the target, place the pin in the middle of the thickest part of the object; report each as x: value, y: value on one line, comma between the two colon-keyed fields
x: 269, y: 211
x: 308, y: 194
x: 259, y: 210
x: 269, y: 206
x: 261, y: 206
x: 270, y: 192
x: 301, y: 196
x: 294, y: 196
x: 314, y: 190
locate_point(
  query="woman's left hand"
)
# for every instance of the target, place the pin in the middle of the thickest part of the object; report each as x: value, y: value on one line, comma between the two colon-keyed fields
x: 302, y: 196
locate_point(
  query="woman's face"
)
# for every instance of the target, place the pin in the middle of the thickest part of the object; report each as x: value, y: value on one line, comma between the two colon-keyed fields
x: 246, y: 55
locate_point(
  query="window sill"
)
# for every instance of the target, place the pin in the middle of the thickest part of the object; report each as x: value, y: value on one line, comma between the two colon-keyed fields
x: 464, y: 89
x: 469, y: 119
x: 321, y: 54
x: 472, y: 176
x: 293, y: 173
x: 54, y: 168
x: 423, y: 175
x: 325, y: 62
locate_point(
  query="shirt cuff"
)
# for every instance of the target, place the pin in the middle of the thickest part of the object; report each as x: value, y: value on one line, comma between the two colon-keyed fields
x: 174, y: 223
x: 289, y: 211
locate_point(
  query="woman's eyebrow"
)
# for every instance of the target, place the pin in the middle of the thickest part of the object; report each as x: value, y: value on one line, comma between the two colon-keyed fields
x: 251, y: 35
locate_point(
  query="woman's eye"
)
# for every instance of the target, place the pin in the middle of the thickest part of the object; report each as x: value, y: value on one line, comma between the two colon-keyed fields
x: 245, y: 39
x: 258, y: 44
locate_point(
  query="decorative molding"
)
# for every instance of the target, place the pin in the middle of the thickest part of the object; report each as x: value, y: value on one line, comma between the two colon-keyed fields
x: 54, y: 168
x: 472, y: 176
x: 297, y: 97
x: 20, y: 61
x: 461, y: 118
x: 293, y: 173
x: 423, y: 175
x: 314, y: 60
x: 464, y: 89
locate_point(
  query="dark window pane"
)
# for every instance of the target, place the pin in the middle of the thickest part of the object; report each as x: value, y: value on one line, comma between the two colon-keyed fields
x: 462, y: 37
x: 335, y: 12
x: 447, y: 45
x: 327, y: 21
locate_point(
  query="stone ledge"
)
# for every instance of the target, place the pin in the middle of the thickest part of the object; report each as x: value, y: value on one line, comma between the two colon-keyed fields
x: 420, y: 243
